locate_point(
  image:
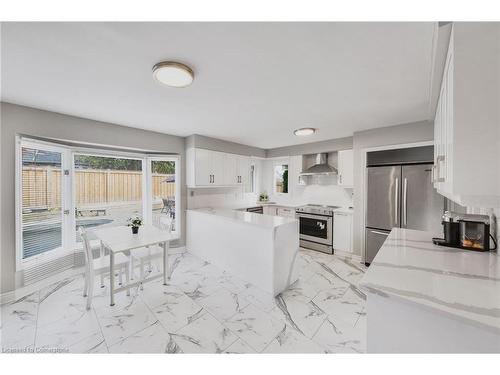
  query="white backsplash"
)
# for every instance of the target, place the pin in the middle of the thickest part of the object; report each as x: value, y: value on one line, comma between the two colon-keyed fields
x: 219, y: 197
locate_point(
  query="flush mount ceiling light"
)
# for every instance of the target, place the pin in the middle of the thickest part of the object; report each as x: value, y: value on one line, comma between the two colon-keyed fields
x: 173, y: 74
x: 304, y: 131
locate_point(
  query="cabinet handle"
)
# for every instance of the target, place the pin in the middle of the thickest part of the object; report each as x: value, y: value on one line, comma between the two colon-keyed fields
x: 396, y: 202
x: 405, y: 202
x: 340, y: 178
x: 439, y: 159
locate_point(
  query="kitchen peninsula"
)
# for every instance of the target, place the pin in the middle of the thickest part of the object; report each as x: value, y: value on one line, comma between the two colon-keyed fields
x: 424, y: 298
x: 260, y: 249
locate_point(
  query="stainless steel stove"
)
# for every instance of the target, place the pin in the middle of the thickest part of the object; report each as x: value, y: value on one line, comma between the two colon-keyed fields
x: 316, y: 227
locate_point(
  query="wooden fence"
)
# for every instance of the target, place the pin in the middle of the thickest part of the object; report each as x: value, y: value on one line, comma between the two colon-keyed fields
x: 42, y: 187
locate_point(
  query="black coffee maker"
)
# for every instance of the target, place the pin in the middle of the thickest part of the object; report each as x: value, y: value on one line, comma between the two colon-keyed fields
x: 465, y: 231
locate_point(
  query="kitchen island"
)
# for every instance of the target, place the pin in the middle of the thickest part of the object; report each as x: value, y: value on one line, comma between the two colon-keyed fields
x: 424, y: 298
x: 259, y: 249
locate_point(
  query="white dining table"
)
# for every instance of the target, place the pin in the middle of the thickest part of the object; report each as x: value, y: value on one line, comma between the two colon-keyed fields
x: 121, y: 239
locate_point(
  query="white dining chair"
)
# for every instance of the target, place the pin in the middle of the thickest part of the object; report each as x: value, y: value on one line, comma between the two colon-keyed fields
x: 145, y: 255
x: 100, y: 266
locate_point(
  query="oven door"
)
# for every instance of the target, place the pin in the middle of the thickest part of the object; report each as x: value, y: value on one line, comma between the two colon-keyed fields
x: 316, y: 228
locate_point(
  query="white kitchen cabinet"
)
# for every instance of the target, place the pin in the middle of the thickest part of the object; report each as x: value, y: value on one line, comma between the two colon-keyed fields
x: 207, y: 168
x: 345, y: 168
x: 243, y: 170
x: 202, y: 172
x: 236, y: 169
x: 285, y: 212
x: 342, y: 231
x: 270, y: 210
x: 230, y: 169
x: 466, y: 136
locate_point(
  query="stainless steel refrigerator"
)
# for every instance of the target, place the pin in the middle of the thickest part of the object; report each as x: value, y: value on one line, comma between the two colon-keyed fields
x: 400, y: 196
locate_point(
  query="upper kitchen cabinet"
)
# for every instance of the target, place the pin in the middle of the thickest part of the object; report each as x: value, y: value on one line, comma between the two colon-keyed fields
x: 236, y: 169
x: 207, y: 168
x: 345, y: 168
x: 466, y: 125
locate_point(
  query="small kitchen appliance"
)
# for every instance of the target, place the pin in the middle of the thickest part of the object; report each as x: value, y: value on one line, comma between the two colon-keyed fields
x: 466, y: 231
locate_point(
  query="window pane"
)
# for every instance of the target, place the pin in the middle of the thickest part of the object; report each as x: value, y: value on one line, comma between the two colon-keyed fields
x: 163, y: 194
x: 252, y: 178
x: 108, y: 190
x: 41, y: 201
x: 281, y: 178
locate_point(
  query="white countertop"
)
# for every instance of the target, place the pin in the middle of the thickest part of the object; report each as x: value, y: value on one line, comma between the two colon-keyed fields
x: 247, y: 217
x: 345, y: 210
x: 460, y: 283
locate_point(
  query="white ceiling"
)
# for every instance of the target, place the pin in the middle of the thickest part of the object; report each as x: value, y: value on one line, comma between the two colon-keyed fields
x: 254, y: 82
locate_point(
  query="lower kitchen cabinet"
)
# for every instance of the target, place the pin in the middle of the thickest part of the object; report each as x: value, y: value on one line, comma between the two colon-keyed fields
x: 285, y: 212
x: 342, y: 231
x: 279, y: 211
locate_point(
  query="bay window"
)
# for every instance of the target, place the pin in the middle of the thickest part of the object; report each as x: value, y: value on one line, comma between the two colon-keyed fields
x: 62, y: 188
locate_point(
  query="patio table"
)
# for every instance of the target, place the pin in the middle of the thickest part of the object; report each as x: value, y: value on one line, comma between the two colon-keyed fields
x: 120, y: 239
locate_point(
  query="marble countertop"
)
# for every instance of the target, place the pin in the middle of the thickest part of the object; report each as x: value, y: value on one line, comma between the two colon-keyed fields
x: 460, y: 283
x: 247, y: 217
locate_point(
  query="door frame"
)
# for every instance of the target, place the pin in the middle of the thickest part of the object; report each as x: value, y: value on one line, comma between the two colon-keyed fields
x: 66, y: 198
x: 149, y: 188
x: 364, y: 178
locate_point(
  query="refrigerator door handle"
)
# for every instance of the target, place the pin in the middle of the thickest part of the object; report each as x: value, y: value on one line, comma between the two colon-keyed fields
x: 405, y: 202
x: 377, y: 232
x: 396, y: 201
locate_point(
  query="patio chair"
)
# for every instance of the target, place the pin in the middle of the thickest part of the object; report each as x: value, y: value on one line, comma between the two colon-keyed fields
x: 100, y: 266
x: 168, y: 206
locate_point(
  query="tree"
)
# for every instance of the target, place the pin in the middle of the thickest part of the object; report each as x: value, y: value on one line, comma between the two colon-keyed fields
x: 102, y: 162
x: 163, y: 167
x: 285, y: 181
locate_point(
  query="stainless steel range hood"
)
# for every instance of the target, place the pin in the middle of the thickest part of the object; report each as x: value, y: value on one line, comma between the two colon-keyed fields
x: 319, y: 165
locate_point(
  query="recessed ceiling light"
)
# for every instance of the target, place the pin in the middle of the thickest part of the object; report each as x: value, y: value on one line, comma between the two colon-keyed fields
x: 173, y: 74
x: 304, y: 131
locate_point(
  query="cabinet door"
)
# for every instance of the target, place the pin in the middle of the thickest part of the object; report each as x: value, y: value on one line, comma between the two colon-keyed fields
x: 443, y: 129
x: 231, y: 169
x: 342, y: 231
x: 286, y: 212
x: 243, y: 175
x: 202, y: 168
x: 269, y: 210
x: 346, y: 168
x: 217, y: 167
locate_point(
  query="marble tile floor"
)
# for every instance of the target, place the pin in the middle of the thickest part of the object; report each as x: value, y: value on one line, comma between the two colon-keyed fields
x: 202, y: 310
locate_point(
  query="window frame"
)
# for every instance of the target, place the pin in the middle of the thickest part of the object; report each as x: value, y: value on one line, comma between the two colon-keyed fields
x: 105, y: 153
x: 277, y: 164
x: 65, y: 249
x: 68, y: 193
x: 149, y: 186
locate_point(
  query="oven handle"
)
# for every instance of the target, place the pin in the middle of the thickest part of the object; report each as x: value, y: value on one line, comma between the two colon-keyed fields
x: 312, y: 216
